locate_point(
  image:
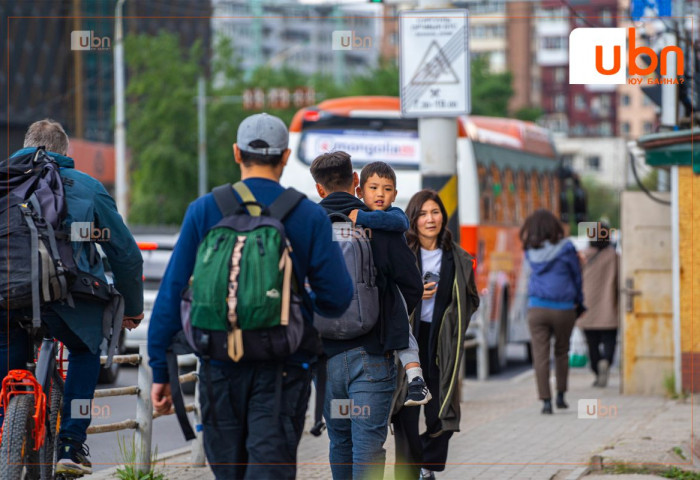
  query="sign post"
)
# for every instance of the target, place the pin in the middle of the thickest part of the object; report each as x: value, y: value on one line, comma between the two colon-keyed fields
x: 434, y: 86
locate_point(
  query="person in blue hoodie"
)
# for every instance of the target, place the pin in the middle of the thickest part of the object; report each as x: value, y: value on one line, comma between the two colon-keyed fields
x: 555, y: 299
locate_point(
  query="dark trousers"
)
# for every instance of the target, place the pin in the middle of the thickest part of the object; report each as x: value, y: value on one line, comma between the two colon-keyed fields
x: 429, y: 449
x: 255, y: 433
x: 545, y: 323
x: 83, y: 368
x: 597, y: 339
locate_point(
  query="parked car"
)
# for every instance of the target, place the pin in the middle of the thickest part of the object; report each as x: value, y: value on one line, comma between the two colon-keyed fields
x: 156, y: 250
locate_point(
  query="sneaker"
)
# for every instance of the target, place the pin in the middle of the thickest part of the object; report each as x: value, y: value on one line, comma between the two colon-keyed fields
x: 603, y: 370
x: 426, y: 475
x: 418, y: 393
x: 73, y: 460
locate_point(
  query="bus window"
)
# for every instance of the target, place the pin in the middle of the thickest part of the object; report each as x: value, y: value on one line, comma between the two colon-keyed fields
x: 546, y: 192
x: 510, y: 196
x: 486, y: 195
x: 497, y: 187
x: 520, y: 198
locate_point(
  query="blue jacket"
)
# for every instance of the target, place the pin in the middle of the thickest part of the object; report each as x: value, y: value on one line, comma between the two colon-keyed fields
x: 88, y: 201
x: 392, y: 219
x: 314, y: 255
x: 555, y: 281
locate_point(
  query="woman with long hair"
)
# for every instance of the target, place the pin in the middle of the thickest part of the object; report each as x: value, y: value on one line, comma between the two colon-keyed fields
x: 439, y: 323
x: 555, y: 299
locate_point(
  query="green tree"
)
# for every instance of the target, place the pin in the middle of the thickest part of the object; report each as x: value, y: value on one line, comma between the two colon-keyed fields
x: 162, y: 128
x: 490, y: 91
x: 603, y: 202
x: 529, y: 114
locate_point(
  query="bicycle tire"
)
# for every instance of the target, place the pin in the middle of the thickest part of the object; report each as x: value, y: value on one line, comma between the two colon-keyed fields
x: 17, y: 442
x: 46, y: 456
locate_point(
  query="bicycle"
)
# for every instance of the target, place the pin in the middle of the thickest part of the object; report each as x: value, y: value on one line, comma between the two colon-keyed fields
x: 32, y: 399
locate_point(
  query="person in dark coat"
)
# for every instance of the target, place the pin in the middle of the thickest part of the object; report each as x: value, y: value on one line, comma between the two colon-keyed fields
x: 439, y: 323
x: 78, y: 326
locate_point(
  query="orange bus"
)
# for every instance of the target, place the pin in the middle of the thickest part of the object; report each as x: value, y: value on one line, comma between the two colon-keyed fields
x: 505, y: 170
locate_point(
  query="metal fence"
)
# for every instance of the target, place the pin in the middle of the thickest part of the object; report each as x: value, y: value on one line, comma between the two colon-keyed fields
x: 143, y: 423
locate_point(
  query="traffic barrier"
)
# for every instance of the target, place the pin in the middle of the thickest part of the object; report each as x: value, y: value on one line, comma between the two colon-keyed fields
x: 143, y: 424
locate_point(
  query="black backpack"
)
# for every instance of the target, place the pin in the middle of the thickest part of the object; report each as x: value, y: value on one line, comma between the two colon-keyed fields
x: 36, y: 263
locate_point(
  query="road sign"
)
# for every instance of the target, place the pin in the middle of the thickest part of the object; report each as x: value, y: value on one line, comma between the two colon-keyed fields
x: 434, y: 63
x: 650, y: 8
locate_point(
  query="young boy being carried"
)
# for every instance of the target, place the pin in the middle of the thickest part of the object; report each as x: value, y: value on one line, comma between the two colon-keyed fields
x: 378, y: 190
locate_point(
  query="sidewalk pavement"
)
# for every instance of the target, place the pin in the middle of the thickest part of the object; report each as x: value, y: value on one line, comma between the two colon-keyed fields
x: 504, y: 436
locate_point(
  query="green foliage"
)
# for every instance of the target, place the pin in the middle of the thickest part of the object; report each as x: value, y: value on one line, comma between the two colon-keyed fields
x: 130, y: 470
x: 529, y: 114
x: 603, y: 202
x: 490, y: 91
x: 650, y: 181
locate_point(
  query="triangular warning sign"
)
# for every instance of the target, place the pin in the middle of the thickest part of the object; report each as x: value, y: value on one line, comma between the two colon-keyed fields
x: 434, y: 68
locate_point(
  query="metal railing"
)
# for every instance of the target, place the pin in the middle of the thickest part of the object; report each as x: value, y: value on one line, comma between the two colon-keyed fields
x: 143, y: 424
x: 478, y: 323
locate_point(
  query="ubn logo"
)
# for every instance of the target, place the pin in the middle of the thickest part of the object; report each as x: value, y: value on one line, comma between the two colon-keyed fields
x: 346, y: 232
x: 597, y: 232
x: 596, y: 56
x: 84, y: 408
x: 348, y: 40
x: 346, y: 408
x: 88, y: 232
x: 86, y: 40
x: 593, y: 409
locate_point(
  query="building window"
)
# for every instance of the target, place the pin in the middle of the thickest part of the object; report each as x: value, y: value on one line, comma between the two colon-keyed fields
x: 579, y: 102
x: 625, y: 100
x: 606, y: 129
x: 560, y: 75
x: 606, y: 17
x: 554, y: 43
x: 593, y: 162
x: 648, y: 127
x: 559, y: 103
x: 625, y: 128
x: 578, y: 130
x: 646, y: 101
x: 567, y: 160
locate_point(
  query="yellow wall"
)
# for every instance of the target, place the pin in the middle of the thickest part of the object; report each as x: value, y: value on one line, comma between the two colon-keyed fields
x: 689, y: 196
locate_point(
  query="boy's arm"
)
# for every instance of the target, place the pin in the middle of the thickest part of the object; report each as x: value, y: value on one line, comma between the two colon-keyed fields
x: 392, y: 220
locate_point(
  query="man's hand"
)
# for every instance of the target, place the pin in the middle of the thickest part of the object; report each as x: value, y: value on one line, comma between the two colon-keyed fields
x: 353, y: 216
x: 161, y: 397
x: 132, y: 322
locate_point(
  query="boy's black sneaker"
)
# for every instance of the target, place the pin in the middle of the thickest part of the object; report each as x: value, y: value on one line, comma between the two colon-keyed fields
x: 72, y: 460
x: 418, y: 393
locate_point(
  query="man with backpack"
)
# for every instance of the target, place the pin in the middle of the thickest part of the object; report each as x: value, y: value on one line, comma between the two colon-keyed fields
x: 361, y: 369
x: 45, y: 205
x: 250, y: 251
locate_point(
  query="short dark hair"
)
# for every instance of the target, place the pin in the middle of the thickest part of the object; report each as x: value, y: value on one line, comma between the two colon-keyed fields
x: 380, y: 169
x: 539, y: 227
x: 333, y: 171
x: 250, y: 158
x: 47, y: 133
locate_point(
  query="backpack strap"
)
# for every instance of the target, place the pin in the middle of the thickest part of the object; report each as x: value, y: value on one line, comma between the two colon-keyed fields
x: 248, y: 198
x: 226, y: 200
x: 285, y: 203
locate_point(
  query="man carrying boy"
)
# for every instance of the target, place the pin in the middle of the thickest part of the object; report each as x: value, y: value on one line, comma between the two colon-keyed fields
x: 362, y: 369
x: 252, y: 424
x: 378, y: 190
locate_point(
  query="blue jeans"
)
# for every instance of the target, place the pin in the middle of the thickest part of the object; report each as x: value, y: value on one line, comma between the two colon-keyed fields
x: 357, y: 427
x: 83, y: 367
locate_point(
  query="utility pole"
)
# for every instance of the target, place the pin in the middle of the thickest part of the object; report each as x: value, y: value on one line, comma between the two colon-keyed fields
x: 202, y: 130
x: 438, y: 143
x: 121, y: 186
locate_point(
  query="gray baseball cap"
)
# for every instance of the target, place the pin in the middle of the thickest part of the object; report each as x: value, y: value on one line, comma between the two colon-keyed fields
x: 267, y: 128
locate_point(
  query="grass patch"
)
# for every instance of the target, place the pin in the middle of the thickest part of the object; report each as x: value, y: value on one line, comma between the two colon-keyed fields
x: 130, y: 470
x: 673, y: 472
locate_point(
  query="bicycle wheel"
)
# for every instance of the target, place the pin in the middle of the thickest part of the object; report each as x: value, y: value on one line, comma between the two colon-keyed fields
x: 17, y: 442
x: 45, y: 458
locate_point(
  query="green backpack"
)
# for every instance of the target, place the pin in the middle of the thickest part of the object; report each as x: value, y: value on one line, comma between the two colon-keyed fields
x: 241, y: 303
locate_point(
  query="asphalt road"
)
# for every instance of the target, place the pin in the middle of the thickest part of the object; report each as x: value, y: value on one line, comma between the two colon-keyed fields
x: 104, y: 447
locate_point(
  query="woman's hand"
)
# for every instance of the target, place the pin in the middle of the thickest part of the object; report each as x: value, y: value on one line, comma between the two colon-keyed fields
x: 429, y: 290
